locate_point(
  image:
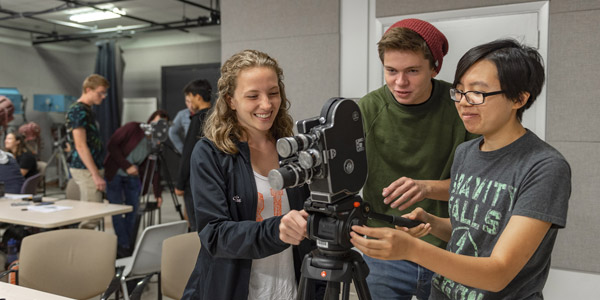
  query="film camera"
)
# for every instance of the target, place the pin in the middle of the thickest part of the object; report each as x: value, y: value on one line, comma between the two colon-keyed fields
x: 329, y: 155
x: 158, y: 130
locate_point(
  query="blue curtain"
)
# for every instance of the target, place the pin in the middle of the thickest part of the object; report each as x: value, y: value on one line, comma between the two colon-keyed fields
x: 110, y: 64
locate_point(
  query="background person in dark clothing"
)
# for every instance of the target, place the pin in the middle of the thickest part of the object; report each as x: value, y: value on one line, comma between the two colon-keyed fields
x: 125, y: 164
x: 10, y: 174
x: 198, y: 93
x: 15, y: 144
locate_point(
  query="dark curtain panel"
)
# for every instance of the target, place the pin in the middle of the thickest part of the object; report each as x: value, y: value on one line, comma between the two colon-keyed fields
x: 110, y: 64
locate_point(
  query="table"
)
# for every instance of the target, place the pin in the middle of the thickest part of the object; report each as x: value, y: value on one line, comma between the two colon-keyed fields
x: 78, y: 211
x: 15, y: 292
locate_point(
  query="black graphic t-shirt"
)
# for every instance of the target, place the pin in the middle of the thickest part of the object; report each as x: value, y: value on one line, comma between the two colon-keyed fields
x: 81, y: 115
x: 526, y: 178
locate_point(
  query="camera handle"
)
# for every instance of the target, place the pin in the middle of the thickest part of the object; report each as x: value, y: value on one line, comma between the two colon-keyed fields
x: 396, y: 220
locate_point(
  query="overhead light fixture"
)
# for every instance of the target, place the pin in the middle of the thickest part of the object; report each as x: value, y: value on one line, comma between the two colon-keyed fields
x: 97, y: 15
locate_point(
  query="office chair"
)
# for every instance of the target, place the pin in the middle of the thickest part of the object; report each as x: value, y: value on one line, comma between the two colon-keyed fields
x: 72, y: 190
x: 179, y: 254
x: 73, y: 263
x: 30, y: 185
x: 146, y: 258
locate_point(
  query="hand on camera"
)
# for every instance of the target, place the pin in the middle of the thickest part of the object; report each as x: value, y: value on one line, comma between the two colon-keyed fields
x: 292, y: 228
x: 179, y: 192
x: 385, y: 243
x: 421, y: 229
x: 404, y: 192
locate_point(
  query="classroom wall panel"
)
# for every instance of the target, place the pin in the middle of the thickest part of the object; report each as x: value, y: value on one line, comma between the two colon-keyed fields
x: 573, y: 49
x: 577, y: 245
x: 302, y: 35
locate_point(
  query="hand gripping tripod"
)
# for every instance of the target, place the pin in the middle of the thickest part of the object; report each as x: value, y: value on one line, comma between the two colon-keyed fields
x: 334, y: 261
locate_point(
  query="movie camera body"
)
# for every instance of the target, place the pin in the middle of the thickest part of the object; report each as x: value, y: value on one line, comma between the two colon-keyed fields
x: 157, y: 130
x: 328, y: 154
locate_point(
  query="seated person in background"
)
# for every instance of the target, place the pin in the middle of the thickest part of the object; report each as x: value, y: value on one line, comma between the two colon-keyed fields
x: 181, y: 123
x: 10, y: 173
x: 509, y: 189
x: 124, y: 167
x: 198, y: 92
x: 15, y: 144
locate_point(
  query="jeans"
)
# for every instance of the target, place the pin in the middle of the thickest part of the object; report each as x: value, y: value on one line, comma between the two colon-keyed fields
x: 124, y: 190
x: 397, y: 279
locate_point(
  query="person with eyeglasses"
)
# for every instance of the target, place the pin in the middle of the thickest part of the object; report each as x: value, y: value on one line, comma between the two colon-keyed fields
x: 509, y: 189
x: 411, y: 132
x: 86, y: 165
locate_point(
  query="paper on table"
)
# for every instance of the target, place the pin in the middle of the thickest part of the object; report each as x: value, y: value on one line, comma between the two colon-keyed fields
x: 47, y: 208
x: 17, y: 196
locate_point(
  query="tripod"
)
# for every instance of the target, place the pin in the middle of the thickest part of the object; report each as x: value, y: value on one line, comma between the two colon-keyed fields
x: 334, y: 261
x: 62, y: 168
x: 145, y: 205
x: 335, y: 267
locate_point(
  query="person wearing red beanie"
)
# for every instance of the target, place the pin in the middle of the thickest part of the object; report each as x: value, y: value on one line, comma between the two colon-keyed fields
x: 411, y: 131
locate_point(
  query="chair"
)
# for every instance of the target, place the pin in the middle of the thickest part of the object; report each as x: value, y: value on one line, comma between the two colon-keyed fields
x: 146, y: 258
x: 73, y: 263
x: 72, y: 190
x: 41, y: 166
x: 179, y: 254
x: 30, y: 185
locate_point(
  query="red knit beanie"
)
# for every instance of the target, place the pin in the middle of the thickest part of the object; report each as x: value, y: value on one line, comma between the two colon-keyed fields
x: 436, y: 41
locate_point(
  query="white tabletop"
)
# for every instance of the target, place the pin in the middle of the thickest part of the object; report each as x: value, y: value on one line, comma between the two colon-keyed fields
x: 15, y: 292
x: 73, y: 211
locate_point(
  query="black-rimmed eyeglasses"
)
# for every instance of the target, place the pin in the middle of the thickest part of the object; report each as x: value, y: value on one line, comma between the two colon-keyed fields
x: 472, y: 97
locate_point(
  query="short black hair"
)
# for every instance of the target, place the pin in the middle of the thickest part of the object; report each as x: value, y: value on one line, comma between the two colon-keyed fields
x: 199, y: 87
x: 520, y: 68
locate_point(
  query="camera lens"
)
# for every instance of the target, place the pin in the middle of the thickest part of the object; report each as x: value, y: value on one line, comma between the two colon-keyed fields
x: 287, y: 146
x: 287, y: 176
x: 309, y: 158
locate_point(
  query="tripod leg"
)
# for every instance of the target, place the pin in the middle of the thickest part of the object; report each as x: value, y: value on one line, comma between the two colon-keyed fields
x: 305, y: 289
x: 359, y: 275
x: 332, y: 292
x: 64, y: 176
x: 171, y: 187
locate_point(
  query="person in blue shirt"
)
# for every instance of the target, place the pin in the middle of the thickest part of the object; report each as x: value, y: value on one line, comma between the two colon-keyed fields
x: 181, y: 124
